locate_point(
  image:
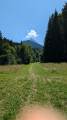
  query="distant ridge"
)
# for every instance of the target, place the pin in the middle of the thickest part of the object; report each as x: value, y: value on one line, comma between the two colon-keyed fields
x: 32, y: 40
x: 33, y: 43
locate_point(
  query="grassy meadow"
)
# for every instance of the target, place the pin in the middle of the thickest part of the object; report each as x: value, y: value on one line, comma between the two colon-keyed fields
x: 36, y: 83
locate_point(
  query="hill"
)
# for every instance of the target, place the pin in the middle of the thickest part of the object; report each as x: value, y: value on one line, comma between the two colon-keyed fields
x: 34, y: 44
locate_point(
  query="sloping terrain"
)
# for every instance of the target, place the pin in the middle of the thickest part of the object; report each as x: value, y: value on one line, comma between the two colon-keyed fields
x: 34, y: 44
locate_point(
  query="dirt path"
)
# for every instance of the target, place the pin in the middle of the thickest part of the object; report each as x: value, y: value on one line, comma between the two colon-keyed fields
x: 33, y: 77
x: 33, y: 88
x: 32, y: 74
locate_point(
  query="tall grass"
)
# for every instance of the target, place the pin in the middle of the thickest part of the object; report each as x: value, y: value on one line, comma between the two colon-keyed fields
x: 21, y: 85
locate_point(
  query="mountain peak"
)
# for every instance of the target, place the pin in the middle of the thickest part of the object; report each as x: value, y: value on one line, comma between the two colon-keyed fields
x: 32, y: 40
x: 33, y: 43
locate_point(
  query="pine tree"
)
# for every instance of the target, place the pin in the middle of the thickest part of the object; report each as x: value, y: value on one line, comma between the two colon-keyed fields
x: 47, y: 44
x: 57, y: 40
x: 64, y: 13
x: 53, y: 47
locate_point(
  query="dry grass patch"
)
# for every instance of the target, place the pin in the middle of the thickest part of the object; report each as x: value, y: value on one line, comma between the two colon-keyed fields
x: 55, y: 67
x: 10, y: 68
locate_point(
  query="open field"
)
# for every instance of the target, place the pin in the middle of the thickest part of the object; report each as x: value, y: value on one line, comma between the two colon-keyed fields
x: 21, y: 85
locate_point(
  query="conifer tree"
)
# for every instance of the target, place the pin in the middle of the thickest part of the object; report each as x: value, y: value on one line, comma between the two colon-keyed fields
x: 47, y: 44
x: 64, y: 13
x: 53, y: 46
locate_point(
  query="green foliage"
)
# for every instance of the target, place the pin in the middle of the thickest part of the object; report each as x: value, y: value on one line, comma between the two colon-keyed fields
x: 8, y: 53
x: 64, y: 14
x: 55, y: 46
x: 24, y: 54
x: 16, y: 53
x: 19, y: 61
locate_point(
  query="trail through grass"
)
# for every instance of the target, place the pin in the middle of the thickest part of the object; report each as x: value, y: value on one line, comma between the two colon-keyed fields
x: 21, y: 85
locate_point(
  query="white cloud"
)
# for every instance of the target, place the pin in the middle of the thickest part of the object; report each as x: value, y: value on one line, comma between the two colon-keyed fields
x: 31, y: 34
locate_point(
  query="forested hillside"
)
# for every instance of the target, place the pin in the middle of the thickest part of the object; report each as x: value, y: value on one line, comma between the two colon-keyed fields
x: 17, y: 53
x: 55, y: 45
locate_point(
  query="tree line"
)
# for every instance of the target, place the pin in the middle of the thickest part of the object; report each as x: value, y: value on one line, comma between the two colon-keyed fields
x: 55, y: 45
x: 16, y: 53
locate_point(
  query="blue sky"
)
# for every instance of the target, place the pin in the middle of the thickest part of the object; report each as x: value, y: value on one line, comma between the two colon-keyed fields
x: 22, y: 19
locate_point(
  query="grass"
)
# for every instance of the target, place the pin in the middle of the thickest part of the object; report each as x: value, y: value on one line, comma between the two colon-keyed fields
x: 21, y: 85
x: 53, y: 84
